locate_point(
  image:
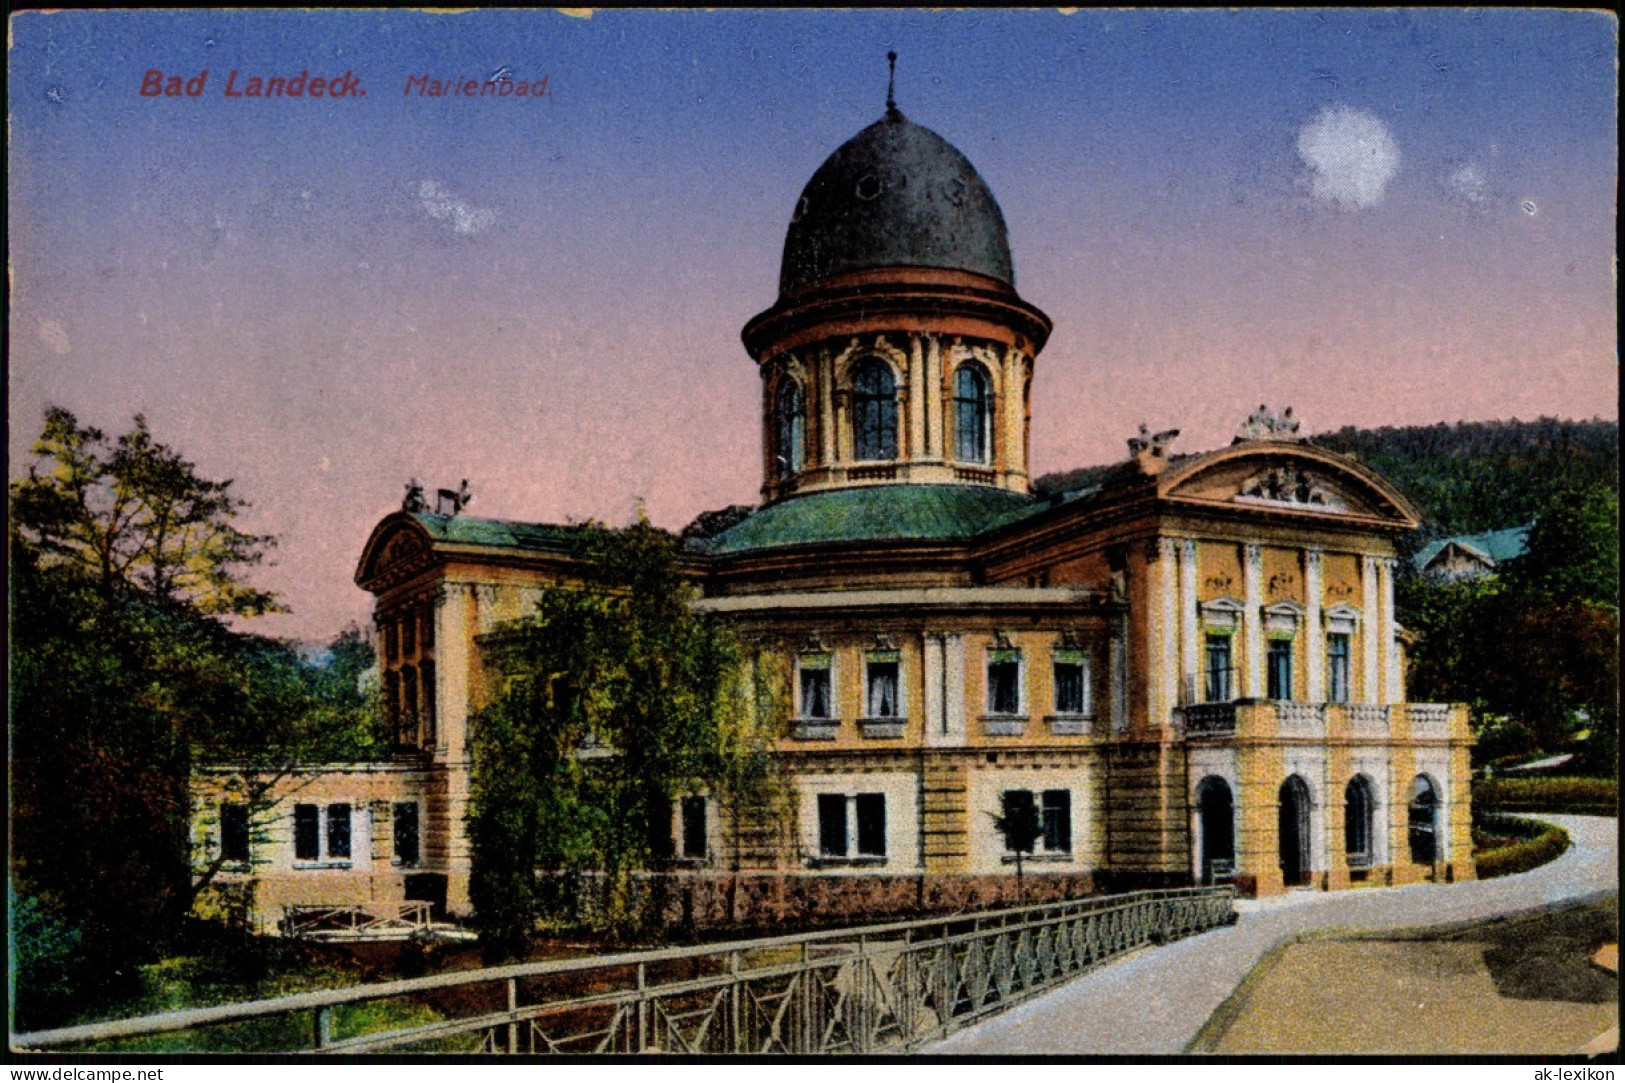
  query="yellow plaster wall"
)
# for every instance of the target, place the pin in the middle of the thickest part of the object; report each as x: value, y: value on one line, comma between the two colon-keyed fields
x: 1283, y: 575
x: 1218, y: 570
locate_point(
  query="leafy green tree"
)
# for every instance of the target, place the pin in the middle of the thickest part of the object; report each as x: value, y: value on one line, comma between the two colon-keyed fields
x: 124, y: 677
x: 134, y: 518
x: 1572, y: 552
x: 47, y: 961
x: 1535, y: 649
x: 615, y: 698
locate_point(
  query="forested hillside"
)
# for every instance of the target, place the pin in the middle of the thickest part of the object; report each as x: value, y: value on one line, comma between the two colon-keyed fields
x: 1472, y: 476
x: 1464, y: 477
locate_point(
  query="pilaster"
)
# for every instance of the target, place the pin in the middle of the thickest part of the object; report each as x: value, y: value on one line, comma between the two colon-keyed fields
x: 1188, y: 664
x: 1314, y: 636
x: 1391, y: 690
x: 1370, y: 632
x: 1252, y: 576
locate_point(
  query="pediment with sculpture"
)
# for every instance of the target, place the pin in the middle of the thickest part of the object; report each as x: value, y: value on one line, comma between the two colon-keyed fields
x: 397, y: 550
x: 1290, y: 477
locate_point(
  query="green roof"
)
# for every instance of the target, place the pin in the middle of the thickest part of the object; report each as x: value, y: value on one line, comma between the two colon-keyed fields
x: 874, y: 513
x: 467, y: 530
x: 1495, y: 545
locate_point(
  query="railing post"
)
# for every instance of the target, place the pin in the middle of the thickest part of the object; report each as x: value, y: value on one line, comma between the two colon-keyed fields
x: 322, y: 1030
x: 513, y: 1024
x: 643, y: 1009
x: 736, y: 991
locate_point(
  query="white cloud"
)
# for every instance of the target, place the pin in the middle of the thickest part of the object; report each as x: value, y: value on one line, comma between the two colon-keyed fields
x: 1351, y: 157
x: 443, y: 206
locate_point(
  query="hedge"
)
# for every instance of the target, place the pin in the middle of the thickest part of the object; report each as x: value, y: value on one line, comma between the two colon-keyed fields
x: 1538, y: 843
x: 1585, y: 796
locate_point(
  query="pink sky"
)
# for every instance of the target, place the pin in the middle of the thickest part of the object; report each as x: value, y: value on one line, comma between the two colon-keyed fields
x: 324, y: 303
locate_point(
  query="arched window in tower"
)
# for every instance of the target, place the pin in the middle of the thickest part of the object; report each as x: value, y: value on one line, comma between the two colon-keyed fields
x: 791, y: 450
x: 874, y: 421
x: 970, y: 413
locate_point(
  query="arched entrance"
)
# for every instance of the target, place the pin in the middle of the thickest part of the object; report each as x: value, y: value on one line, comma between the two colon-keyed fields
x: 1294, y: 832
x: 1424, y: 831
x: 1358, y: 838
x: 1216, y: 817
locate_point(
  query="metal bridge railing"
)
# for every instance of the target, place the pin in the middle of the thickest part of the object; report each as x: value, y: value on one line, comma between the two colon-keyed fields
x: 880, y: 988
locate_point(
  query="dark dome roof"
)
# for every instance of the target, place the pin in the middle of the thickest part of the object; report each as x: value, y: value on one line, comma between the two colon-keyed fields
x: 895, y: 195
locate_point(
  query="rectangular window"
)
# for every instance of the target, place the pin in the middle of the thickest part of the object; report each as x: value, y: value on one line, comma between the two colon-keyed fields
x: 871, y: 809
x: 426, y: 712
x: 1071, y: 683
x: 832, y: 824
x: 234, y: 832
x: 406, y: 832
x: 338, y: 831
x: 1280, y: 669
x: 1004, y: 682
x: 1218, y: 668
x: 428, y: 630
x: 1058, y: 821
x: 694, y: 835
x: 815, y: 699
x: 882, y: 685
x: 409, y: 634
x: 1337, y: 660
x: 307, y: 832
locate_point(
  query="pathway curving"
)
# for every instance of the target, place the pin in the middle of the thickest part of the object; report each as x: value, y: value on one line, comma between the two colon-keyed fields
x: 1155, y: 1002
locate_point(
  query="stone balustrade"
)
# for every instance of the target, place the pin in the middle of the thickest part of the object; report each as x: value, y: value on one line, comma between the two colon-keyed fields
x: 1318, y: 721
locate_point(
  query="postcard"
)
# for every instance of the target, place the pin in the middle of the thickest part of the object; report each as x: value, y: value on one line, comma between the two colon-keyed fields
x: 1029, y: 533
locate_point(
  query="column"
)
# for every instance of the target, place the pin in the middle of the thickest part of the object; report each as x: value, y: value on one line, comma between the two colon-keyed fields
x: 917, y: 410
x: 932, y: 397
x: 1011, y: 437
x: 953, y: 700
x: 1252, y: 577
x: 932, y: 676
x: 1314, y: 638
x: 453, y: 646
x: 1391, y: 691
x: 1165, y: 665
x: 826, y: 407
x: 1118, y: 652
x: 1187, y: 622
x: 1370, y: 620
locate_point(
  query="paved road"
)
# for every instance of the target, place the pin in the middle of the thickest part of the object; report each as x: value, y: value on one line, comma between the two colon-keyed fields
x: 1155, y: 1002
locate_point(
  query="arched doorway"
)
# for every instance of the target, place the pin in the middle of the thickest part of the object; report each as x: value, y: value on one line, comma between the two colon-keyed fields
x: 1359, y: 841
x: 1294, y: 831
x: 1216, y: 817
x: 1424, y: 831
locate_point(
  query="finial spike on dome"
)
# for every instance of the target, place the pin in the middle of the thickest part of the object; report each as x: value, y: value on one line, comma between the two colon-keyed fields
x: 891, y: 83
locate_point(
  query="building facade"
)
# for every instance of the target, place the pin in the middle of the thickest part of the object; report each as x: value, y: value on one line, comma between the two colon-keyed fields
x: 1190, y: 670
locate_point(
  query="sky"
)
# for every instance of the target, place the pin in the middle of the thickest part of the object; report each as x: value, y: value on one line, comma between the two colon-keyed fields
x: 1377, y: 218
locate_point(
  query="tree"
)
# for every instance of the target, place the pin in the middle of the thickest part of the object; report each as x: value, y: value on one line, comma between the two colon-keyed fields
x: 1572, y: 552
x: 1020, y: 824
x: 124, y: 677
x: 1534, y: 650
x: 616, y: 697
x: 135, y: 519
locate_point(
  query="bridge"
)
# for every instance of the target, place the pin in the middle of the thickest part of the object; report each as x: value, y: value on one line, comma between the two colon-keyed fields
x: 880, y: 988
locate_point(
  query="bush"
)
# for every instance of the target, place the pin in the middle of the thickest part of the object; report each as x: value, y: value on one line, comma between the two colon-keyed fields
x: 1584, y: 796
x: 1537, y: 844
x: 48, y: 962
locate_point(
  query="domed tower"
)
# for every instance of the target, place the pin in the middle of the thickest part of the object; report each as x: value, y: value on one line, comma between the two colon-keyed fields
x: 898, y: 351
